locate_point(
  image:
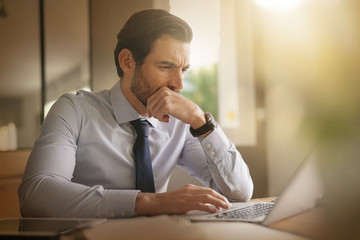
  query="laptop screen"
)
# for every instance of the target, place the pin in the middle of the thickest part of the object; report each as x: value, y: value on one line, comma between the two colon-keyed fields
x: 302, y: 193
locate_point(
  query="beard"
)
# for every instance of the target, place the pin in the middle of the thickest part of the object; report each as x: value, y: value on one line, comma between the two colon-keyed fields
x: 140, y: 86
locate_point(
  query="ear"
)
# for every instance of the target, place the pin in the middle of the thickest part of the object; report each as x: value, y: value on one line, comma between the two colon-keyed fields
x: 126, y: 61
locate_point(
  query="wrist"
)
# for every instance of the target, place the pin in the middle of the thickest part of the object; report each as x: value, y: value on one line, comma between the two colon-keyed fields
x: 142, y: 203
x: 198, y: 119
x: 206, y: 128
x: 148, y: 204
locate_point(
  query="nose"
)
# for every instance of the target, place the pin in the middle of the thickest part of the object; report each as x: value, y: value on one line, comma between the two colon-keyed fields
x: 177, y: 80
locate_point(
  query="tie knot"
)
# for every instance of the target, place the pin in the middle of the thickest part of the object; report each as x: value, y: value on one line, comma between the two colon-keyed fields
x: 141, y: 127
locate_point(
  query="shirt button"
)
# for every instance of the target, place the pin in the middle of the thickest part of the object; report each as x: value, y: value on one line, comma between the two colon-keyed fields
x: 226, y: 177
x: 208, y: 145
x: 212, y: 153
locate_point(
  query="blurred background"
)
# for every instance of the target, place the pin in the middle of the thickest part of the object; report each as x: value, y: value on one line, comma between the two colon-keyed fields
x: 280, y: 77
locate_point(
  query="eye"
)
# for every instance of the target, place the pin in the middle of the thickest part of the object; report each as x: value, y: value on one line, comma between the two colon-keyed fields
x: 185, y: 69
x: 165, y: 67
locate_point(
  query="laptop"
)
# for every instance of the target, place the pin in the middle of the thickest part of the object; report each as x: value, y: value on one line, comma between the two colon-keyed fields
x: 302, y: 193
x: 42, y: 228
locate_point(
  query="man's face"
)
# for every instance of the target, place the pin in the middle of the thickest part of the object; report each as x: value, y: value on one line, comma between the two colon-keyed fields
x: 165, y: 66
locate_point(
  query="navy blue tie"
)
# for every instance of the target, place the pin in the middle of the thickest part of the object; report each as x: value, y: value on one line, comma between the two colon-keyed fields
x: 144, y: 173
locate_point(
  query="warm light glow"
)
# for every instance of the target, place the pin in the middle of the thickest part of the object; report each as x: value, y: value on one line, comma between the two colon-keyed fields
x: 205, y: 26
x: 278, y: 4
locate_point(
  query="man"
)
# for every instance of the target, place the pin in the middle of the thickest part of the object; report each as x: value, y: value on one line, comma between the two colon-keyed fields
x: 83, y: 162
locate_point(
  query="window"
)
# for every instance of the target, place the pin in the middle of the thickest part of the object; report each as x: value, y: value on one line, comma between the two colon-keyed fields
x: 221, y: 78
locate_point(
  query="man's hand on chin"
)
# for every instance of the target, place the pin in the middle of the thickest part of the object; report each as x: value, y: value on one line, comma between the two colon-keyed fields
x: 165, y: 102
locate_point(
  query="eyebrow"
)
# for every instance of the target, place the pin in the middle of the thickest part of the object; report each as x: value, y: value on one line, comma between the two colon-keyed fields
x: 172, y: 64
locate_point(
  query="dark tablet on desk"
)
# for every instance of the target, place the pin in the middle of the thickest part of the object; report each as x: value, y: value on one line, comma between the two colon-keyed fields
x: 42, y: 228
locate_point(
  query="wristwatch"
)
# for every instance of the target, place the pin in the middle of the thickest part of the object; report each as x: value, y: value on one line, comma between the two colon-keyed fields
x: 208, y: 126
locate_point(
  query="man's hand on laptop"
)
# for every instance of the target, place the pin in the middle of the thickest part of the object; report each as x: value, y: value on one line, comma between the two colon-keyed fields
x: 180, y: 201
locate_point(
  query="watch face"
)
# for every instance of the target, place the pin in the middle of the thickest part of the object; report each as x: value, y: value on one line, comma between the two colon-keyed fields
x: 208, y: 117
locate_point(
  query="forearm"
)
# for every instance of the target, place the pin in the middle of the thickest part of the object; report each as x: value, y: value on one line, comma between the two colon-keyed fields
x: 52, y: 196
x: 217, y: 164
x: 229, y: 173
x: 233, y: 181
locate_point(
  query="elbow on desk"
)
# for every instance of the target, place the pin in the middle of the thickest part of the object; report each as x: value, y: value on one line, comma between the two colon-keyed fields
x: 22, y: 204
x: 26, y: 211
x: 33, y: 204
x: 25, y: 202
x: 242, y: 193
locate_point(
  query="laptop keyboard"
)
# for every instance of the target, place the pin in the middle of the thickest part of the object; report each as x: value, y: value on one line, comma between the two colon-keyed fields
x: 254, y: 211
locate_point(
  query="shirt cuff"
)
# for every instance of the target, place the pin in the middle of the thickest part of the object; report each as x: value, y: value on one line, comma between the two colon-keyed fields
x: 216, y: 144
x: 119, y: 203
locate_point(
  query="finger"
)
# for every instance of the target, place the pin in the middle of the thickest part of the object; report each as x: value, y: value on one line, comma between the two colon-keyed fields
x: 214, y: 201
x: 208, y: 195
x: 155, y: 97
x: 202, y: 203
x: 185, y: 203
x: 160, y: 111
x: 149, y: 114
x: 206, y: 207
x: 160, y: 108
x: 150, y: 102
x: 158, y: 105
x: 206, y: 190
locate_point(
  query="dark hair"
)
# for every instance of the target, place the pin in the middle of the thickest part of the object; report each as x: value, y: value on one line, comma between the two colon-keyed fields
x: 143, y: 28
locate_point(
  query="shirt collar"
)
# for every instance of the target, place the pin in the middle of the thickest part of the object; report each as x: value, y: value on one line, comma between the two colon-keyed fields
x: 124, y: 112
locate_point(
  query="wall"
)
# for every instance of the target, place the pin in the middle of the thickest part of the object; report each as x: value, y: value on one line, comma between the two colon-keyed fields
x: 29, y: 130
x: 20, y: 69
x: 255, y: 156
x: 277, y: 65
x: 107, y: 18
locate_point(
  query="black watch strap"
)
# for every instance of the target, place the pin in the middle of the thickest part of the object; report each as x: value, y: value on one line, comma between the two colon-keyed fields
x: 208, y: 126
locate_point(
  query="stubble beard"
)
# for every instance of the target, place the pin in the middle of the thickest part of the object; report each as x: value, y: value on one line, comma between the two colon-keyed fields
x: 140, y: 86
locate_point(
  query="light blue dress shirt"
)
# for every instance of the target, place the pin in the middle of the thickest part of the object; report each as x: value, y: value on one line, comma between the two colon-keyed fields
x: 82, y: 165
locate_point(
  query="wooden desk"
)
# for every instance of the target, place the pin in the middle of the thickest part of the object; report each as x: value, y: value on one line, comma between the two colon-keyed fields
x: 311, y: 224
x: 176, y: 228
x: 308, y: 225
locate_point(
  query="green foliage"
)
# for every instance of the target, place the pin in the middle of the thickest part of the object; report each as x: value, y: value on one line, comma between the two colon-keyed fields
x: 202, y: 88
